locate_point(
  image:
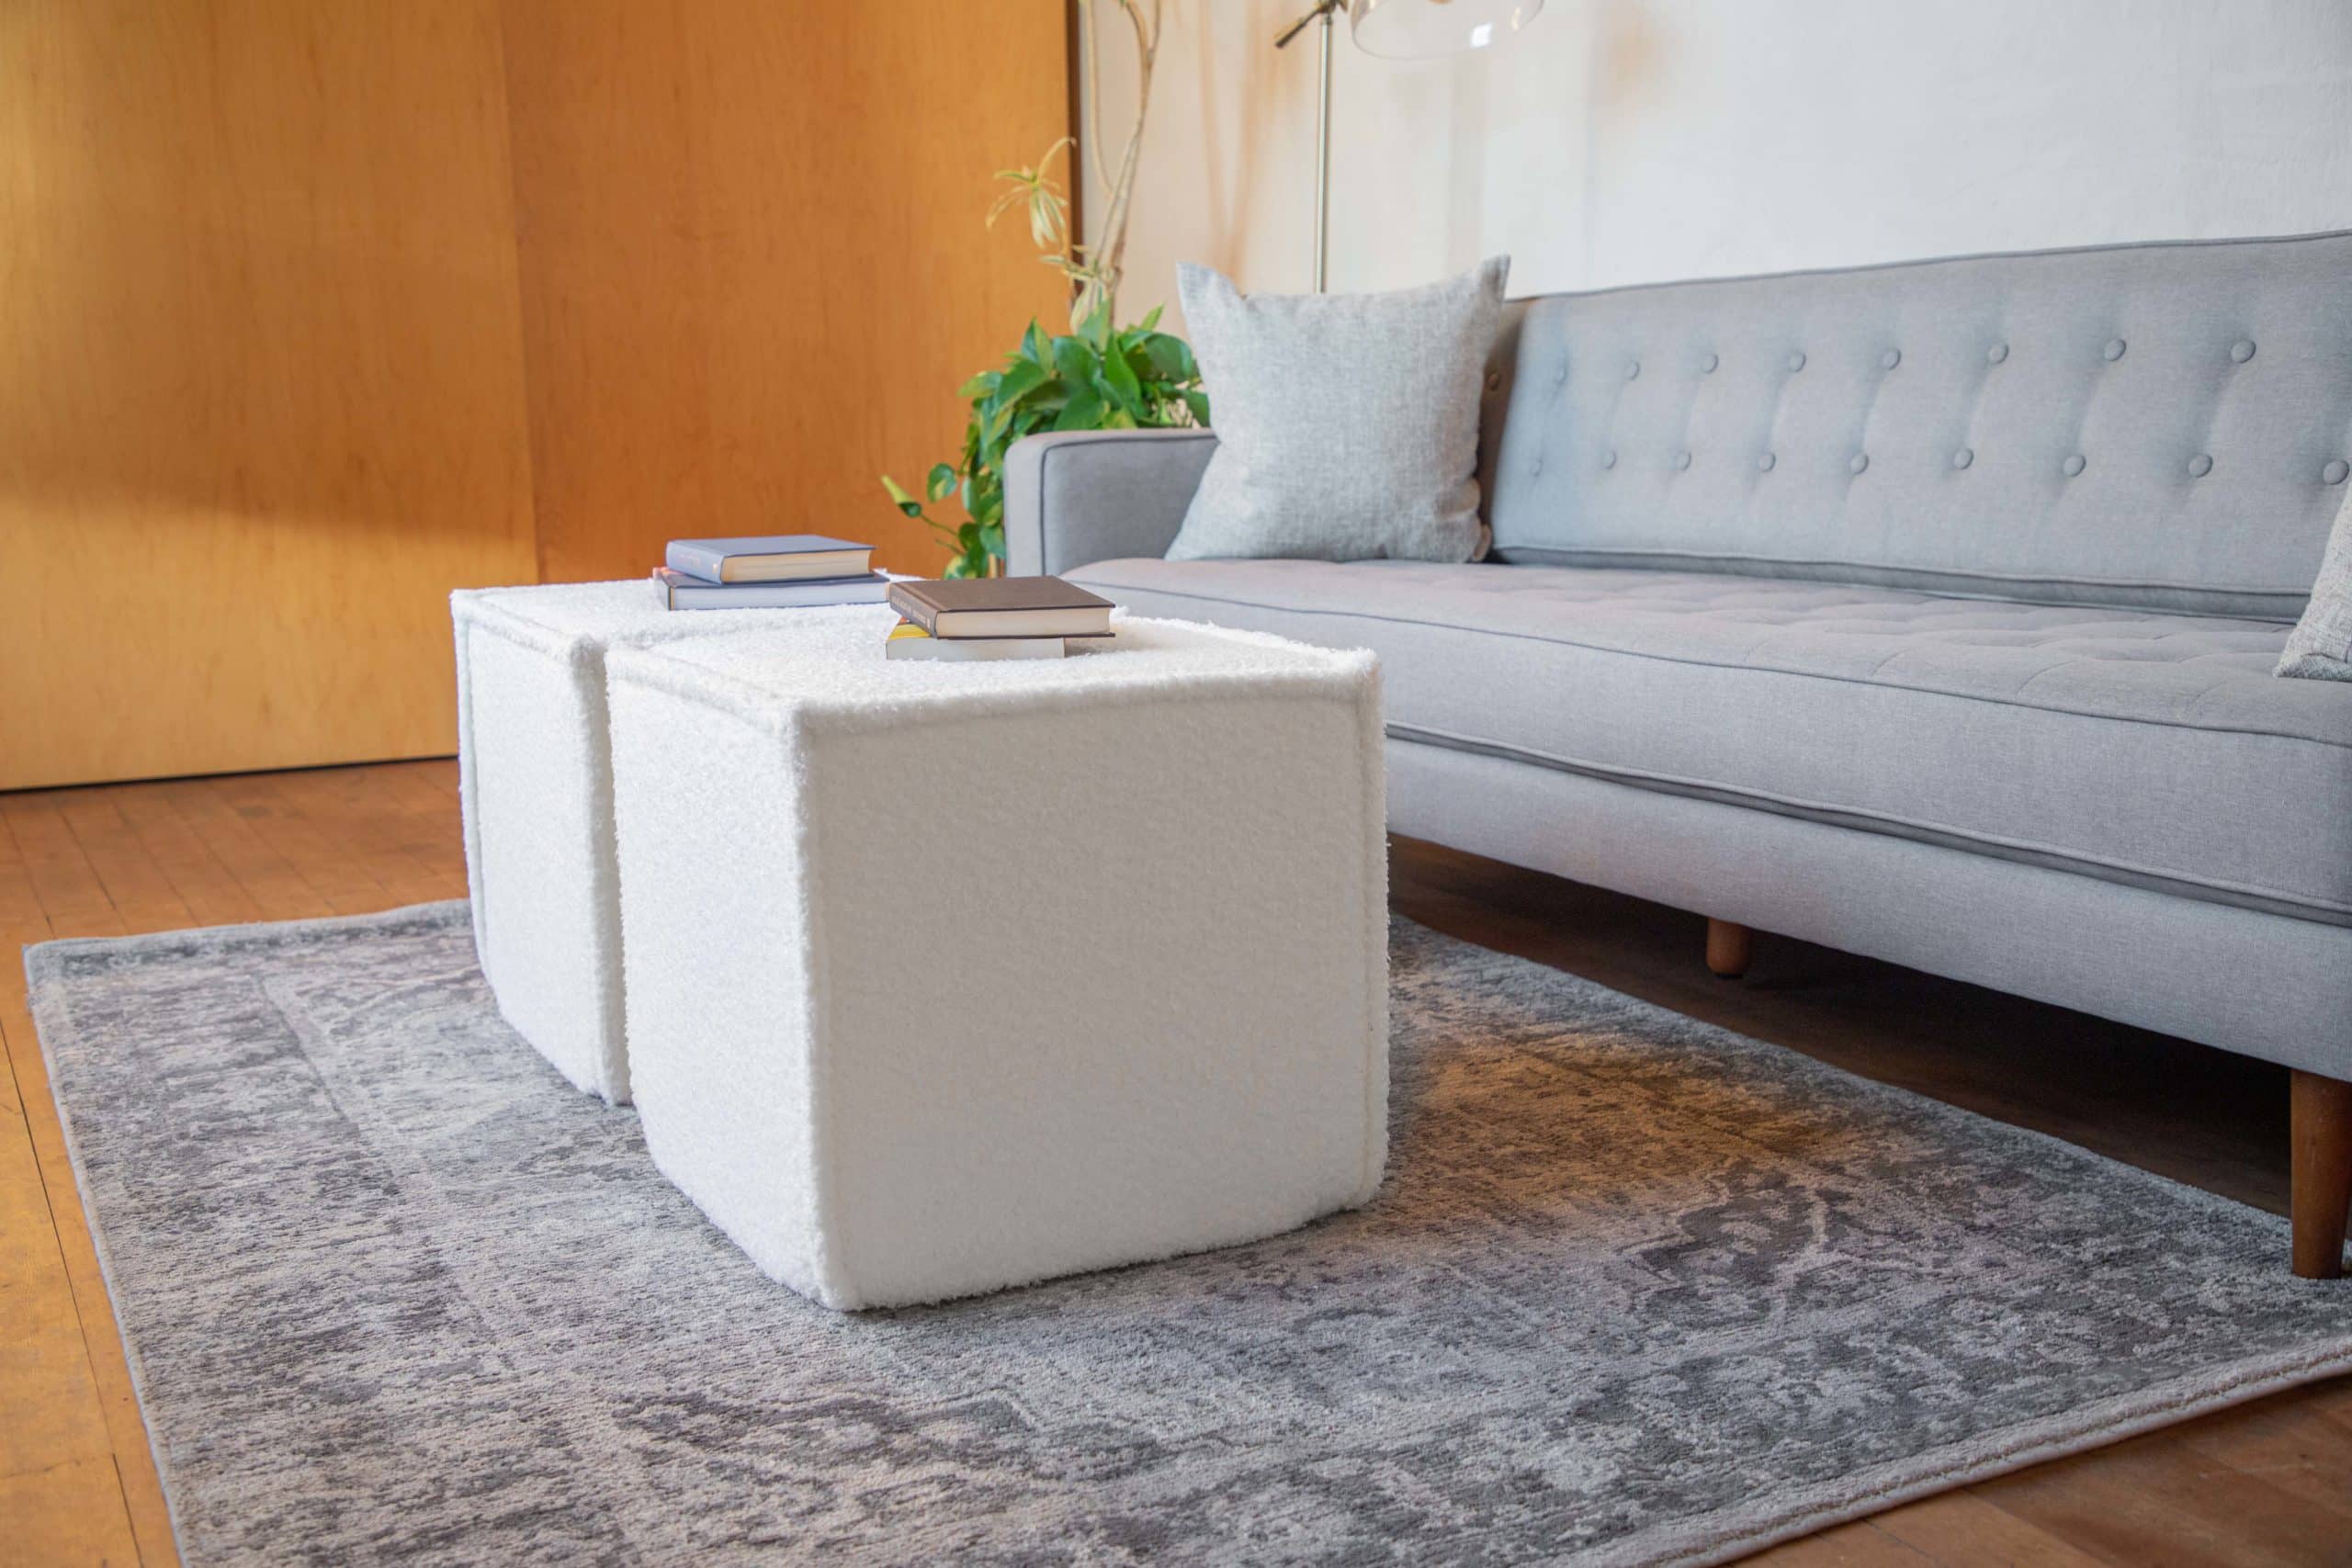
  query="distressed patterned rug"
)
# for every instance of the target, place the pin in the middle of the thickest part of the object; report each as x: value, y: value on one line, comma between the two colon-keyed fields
x: 1637, y: 1291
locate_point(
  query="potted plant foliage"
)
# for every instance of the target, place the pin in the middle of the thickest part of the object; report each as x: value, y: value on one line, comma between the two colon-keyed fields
x: 1096, y: 376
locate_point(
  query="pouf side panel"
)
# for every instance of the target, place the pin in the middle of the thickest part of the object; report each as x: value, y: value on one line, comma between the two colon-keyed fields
x: 546, y: 919
x: 468, y: 807
x: 1104, y: 983
x: 1363, y: 694
x: 714, y: 942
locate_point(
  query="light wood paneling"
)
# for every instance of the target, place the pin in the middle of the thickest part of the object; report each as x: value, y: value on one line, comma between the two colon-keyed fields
x: 261, y: 378
x: 316, y: 311
x: 753, y: 267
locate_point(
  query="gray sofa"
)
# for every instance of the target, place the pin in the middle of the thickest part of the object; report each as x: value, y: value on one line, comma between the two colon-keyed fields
x: 1925, y: 611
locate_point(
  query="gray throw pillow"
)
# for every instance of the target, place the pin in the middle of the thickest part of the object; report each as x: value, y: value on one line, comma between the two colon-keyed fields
x: 2321, y: 645
x: 1347, y: 424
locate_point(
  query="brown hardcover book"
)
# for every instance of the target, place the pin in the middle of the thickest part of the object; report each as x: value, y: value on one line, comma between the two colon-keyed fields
x: 1002, y: 606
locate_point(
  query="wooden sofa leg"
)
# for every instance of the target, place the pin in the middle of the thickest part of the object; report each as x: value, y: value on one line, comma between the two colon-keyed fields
x: 2322, y: 1199
x: 1730, y: 948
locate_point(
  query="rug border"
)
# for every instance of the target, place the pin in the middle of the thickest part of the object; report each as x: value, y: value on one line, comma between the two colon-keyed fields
x: 1721, y: 1537
x: 43, y: 976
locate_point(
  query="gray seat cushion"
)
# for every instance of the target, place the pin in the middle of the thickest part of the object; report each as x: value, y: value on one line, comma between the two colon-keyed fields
x: 2140, y: 746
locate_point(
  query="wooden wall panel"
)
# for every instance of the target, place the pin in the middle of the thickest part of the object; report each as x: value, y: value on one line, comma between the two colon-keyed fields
x: 312, y: 312
x: 261, y: 378
x: 753, y: 267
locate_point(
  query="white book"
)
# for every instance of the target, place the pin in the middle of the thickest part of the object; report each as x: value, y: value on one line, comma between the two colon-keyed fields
x: 907, y: 640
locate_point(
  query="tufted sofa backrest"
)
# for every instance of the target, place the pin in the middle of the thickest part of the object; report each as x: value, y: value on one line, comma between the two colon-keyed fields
x: 2163, y: 425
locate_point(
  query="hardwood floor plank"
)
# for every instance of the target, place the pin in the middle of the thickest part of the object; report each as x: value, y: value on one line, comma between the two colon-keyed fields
x: 63, y: 881
x: 425, y: 831
x: 347, y: 885
x: 2290, y: 1441
x: 129, y: 873
x: 211, y: 892
x: 1857, y: 1545
x: 1962, y: 1529
x: 19, y: 902
x: 2155, y: 1499
x: 47, y: 1385
x: 276, y: 886
x: 70, y: 1514
x: 441, y: 773
x: 340, y: 803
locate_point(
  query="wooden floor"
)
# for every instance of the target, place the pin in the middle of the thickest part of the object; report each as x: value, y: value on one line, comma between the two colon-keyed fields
x: 2269, y: 1483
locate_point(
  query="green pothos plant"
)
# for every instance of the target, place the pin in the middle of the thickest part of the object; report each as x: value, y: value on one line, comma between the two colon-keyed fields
x: 1096, y: 378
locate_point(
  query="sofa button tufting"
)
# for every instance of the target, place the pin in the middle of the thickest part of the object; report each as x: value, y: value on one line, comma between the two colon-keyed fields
x: 1608, y: 459
x: 1857, y: 464
x: 1890, y: 359
x: 2333, y: 473
x: 1536, y: 467
x: 2073, y: 464
x: 1562, y: 377
x: 2199, y: 466
x: 1796, y: 361
x: 1963, y: 458
x: 1494, y: 380
x: 1764, y: 464
x: 1632, y: 368
x: 1681, y: 461
x: 1707, y: 365
x: 2241, y: 350
x: 2114, y: 349
x: 1995, y: 354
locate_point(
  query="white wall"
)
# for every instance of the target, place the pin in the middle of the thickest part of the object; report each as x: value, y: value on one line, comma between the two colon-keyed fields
x: 1623, y: 141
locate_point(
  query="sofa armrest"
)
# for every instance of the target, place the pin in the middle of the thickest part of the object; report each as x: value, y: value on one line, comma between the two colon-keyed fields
x: 1087, y: 495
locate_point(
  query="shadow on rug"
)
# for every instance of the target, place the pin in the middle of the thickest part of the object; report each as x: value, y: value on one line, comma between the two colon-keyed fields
x: 1638, y: 1290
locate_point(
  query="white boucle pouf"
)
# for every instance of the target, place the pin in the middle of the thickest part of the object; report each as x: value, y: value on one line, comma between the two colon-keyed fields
x: 945, y: 977
x: 535, y: 776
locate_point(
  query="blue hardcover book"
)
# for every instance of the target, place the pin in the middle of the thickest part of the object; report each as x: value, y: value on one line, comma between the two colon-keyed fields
x: 680, y: 592
x: 769, y: 557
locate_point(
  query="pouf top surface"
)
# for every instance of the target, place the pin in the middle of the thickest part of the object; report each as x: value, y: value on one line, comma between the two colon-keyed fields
x: 831, y: 662
x: 627, y: 611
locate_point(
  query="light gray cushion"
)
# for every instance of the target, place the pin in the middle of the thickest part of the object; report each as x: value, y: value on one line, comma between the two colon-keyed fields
x: 1347, y: 423
x: 2321, y: 645
x: 2147, y: 748
x: 2165, y: 425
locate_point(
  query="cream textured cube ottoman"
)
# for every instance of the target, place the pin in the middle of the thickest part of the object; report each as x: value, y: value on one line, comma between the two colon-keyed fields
x: 945, y: 977
x: 535, y: 777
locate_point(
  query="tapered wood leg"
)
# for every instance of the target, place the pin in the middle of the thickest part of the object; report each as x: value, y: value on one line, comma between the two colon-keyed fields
x: 2323, y: 1173
x: 1730, y: 948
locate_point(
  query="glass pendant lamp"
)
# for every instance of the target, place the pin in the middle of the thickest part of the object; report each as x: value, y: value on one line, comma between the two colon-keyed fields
x: 1395, y: 29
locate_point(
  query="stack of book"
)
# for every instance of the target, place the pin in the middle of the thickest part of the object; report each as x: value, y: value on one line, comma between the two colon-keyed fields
x: 994, y: 617
x: 775, y: 571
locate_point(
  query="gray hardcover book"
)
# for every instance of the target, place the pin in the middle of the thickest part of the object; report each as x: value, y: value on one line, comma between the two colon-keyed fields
x: 769, y: 557
x: 680, y: 592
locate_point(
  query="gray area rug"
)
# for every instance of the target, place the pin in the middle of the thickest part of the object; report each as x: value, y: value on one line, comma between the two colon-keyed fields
x: 1637, y: 1291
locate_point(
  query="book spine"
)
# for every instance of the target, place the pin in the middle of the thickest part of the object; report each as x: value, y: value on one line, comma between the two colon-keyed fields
x: 912, y: 608
x: 709, y: 565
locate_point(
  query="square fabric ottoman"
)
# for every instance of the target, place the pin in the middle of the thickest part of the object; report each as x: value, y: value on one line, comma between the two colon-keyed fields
x: 534, y: 778
x: 945, y: 977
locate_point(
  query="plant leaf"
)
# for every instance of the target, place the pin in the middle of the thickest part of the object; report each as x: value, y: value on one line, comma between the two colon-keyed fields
x: 1083, y: 411
x: 1020, y: 380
